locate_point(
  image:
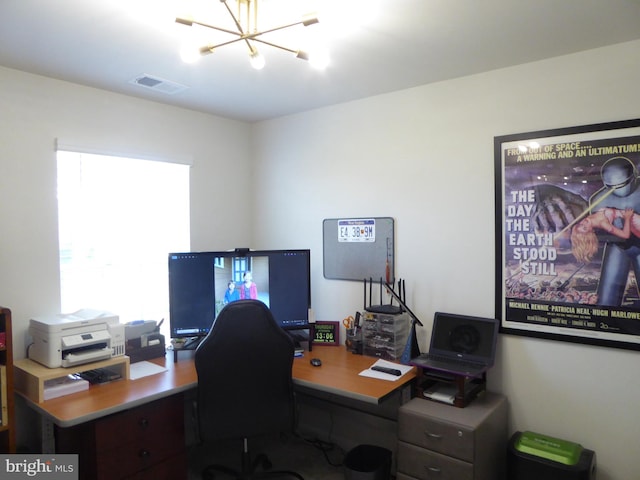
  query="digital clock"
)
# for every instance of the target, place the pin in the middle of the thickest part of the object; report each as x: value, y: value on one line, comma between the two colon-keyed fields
x: 326, y: 333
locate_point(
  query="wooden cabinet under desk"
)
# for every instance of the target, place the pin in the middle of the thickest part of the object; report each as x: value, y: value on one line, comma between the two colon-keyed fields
x: 145, y: 442
x: 438, y: 441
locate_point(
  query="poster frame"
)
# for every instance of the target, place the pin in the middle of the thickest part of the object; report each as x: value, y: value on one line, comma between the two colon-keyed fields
x: 608, y: 131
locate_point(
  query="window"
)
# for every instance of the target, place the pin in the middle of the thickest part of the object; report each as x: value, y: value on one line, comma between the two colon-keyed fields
x: 218, y: 262
x: 118, y: 218
x: 240, y: 265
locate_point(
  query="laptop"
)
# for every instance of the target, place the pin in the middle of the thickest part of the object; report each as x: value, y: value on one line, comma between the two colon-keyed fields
x: 460, y: 345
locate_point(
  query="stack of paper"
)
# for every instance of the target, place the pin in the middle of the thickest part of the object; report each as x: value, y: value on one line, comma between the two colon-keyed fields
x: 58, y: 387
x: 442, y: 392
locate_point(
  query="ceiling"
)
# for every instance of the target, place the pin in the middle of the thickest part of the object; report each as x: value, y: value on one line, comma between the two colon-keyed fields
x: 375, y: 46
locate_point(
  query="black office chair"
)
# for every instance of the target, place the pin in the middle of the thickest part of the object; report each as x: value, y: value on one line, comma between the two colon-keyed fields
x: 244, y: 384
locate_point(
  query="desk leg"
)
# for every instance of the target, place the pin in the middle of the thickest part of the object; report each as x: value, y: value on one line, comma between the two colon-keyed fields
x: 47, y: 436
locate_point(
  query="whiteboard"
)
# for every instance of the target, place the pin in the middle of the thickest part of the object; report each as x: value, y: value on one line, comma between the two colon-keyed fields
x: 358, y: 248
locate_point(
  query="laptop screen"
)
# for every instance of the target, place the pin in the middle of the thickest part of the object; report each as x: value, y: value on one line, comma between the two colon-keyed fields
x: 465, y: 337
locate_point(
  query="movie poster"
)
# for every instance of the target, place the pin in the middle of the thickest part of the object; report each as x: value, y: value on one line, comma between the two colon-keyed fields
x: 568, y: 226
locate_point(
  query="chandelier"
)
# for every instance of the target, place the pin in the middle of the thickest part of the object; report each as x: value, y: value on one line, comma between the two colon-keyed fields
x: 247, y: 31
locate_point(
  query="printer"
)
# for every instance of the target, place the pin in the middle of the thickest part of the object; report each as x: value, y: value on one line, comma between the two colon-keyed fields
x: 67, y: 340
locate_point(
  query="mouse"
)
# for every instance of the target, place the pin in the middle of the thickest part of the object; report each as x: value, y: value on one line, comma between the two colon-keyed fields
x: 316, y: 362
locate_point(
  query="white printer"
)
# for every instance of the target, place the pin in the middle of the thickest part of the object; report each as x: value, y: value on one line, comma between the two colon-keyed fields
x: 66, y: 340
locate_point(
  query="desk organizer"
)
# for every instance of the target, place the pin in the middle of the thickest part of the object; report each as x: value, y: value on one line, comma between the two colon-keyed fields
x: 385, y: 335
x: 29, y: 376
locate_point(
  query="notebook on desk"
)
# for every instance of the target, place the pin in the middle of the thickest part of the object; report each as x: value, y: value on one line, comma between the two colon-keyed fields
x: 460, y: 345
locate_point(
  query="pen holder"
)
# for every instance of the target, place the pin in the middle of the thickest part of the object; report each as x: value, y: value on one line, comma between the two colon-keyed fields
x: 353, y: 341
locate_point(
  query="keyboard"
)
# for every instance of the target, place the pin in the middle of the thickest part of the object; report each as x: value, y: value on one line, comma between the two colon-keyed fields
x: 99, y: 375
x: 427, y: 360
x: 439, y: 359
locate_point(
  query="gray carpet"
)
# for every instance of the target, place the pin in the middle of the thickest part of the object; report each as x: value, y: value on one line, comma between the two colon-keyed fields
x: 313, y: 461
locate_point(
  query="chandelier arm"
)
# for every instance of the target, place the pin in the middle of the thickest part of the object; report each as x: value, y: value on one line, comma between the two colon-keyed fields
x: 213, y: 47
x: 246, y: 36
x: 220, y: 29
x: 238, y: 25
x: 276, y: 45
x: 243, y: 35
x: 275, y: 29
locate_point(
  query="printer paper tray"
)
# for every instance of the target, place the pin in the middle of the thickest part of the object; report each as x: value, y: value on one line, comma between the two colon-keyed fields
x: 72, y: 359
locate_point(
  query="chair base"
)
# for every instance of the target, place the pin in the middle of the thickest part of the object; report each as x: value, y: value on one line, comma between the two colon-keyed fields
x: 249, y: 468
x: 209, y: 473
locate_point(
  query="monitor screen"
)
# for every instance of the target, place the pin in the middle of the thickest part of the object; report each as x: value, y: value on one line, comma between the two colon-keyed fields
x: 202, y: 283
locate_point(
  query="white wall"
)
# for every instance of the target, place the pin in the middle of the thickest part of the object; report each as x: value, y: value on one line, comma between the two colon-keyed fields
x: 424, y: 156
x: 35, y: 111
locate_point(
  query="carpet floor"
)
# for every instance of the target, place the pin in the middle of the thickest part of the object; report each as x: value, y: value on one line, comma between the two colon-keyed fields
x: 312, y: 460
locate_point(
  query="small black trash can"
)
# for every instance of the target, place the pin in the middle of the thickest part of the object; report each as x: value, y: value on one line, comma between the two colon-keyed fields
x: 367, y: 462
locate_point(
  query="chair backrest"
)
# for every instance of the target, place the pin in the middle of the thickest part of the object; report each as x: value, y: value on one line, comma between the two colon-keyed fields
x: 244, y: 374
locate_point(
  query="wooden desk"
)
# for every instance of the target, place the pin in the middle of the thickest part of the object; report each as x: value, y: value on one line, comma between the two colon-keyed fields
x: 129, y: 427
x: 102, y: 400
x: 338, y: 375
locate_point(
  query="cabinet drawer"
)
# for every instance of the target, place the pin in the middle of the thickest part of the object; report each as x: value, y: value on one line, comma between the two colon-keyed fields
x: 436, y: 435
x: 127, y: 443
x: 402, y: 476
x: 172, y: 469
x: 135, y: 440
x: 160, y: 418
x: 427, y: 465
x: 134, y: 457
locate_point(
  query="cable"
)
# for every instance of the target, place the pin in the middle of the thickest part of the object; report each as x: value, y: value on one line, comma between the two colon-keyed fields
x: 324, y: 447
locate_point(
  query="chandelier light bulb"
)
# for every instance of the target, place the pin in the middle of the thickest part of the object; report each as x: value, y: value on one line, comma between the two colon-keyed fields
x: 256, y: 59
x: 319, y: 59
x: 190, y: 53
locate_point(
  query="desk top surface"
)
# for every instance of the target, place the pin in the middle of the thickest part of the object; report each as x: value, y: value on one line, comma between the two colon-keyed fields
x: 337, y: 375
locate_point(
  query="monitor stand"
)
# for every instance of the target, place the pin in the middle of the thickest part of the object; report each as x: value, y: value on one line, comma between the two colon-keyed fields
x: 190, y: 345
x: 301, y: 336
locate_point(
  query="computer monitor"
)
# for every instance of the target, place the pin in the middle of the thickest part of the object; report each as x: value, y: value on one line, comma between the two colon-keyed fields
x: 202, y: 283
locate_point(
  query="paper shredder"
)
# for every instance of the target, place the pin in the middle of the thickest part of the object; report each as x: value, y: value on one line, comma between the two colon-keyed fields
x: 532, y: 456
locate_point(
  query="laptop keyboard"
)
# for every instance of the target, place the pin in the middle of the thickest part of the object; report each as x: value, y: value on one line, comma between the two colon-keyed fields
x: 445, y: 361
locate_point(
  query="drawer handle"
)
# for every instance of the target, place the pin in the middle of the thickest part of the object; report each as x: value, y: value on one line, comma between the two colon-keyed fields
x: 434, y: 469
x: 144, y: 423
x: 144, y: 454
x: 433, y: 435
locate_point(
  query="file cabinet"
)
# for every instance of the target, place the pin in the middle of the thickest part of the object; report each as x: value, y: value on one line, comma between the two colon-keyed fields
x: 438, y: 441
x: 146, y: 442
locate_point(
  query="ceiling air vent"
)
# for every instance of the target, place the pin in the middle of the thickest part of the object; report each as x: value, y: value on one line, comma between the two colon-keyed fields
x: 158, y: 84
